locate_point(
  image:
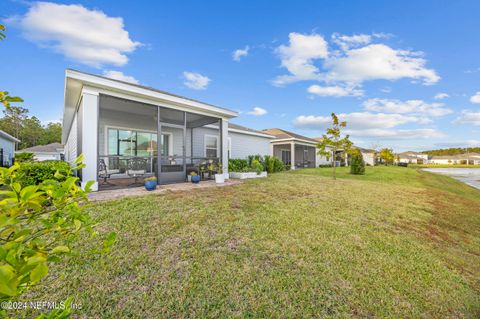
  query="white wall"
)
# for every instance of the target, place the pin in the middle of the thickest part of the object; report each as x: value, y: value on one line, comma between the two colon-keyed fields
x: 8, y: 150
x: 71, y: 144
x: 369, y: 158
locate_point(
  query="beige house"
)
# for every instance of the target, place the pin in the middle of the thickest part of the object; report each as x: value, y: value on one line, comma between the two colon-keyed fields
x: 411, y: 157
x: 470, y: 159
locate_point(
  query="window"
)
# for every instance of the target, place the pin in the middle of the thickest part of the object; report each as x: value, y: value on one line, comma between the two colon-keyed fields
x: 286, y: 157
x: 135, y: 143
x: 211, y: 146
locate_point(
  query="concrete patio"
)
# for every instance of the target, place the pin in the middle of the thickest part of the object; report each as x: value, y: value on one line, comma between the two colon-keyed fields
x: 141, y: 191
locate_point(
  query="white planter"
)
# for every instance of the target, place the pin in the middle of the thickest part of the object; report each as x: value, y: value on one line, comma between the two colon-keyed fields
x: 189, y: 178
x: 226, y: 176
x: 219, y: 178
x: 246, y: 175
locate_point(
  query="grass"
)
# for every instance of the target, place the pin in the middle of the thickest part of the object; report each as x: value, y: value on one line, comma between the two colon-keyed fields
x: 394, y: 243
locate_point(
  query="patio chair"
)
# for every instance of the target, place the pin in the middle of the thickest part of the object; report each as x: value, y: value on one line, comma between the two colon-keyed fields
x: 105, y: 173
x: 136, y: 167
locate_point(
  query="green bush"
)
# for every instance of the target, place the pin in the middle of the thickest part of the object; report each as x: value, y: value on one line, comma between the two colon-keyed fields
x: 357, y: 165
x: 34, y: 173
x: 23, y: 157
x: 273, y: 164
x: 237, y: 165
x: 257, y: 166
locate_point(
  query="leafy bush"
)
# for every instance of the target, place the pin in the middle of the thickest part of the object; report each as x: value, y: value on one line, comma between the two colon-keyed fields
x: 259, y: 158
x: 33, y: 173
x: 273, y: 164
x: 38, y: 225
x: 23, y: 157
x: 357, y: 165
x: 257, y: 166
x: 237, y: 165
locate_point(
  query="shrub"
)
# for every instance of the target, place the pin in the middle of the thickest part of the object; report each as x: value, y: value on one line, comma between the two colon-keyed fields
x: 237, y: 165
x: 273, y: 164
x: 258, y: 158
x: 257, y: 166
x: 357, y: 165
x: 33, y: 173
x: 23, y: 157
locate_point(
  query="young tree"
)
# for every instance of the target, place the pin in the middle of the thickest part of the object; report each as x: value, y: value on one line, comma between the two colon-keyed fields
x: 332, y: 142
x: 387, y: 156
x: 357, y: 166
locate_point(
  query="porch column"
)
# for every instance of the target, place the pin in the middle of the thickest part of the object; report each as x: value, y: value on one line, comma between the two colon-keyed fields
x: 88, y: 112
x: 292, y: 155
x: 224, y: 145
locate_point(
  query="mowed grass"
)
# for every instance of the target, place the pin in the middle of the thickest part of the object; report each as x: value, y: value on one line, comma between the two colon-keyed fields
x: 395, y: 243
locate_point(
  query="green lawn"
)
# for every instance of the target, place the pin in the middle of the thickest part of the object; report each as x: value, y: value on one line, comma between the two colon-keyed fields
x: 395, y: 243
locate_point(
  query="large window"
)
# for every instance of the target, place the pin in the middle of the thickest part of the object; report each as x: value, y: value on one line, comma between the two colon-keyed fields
x: 135, y: 143
x: 211, y: 146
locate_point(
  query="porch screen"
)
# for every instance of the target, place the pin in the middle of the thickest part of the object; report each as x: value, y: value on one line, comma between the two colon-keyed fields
x: 135, y: 143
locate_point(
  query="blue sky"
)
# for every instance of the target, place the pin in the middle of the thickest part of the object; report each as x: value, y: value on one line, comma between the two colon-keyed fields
x: 404, y: 74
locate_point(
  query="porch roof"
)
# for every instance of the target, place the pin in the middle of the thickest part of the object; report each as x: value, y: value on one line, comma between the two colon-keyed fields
x: 75, y: 81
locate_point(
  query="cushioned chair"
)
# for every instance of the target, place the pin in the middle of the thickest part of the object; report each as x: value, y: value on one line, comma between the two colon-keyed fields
x: 136, y: 167
x: 105, y: 173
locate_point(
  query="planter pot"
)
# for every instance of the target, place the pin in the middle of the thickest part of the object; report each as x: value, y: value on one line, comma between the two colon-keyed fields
x: 196, y: 179
x: 219, y: 178
x: 247, y: 175
x: 150, y: 185
x: 189, y: 178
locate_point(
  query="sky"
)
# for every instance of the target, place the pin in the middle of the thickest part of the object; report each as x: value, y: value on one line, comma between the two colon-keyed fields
x: 403, y: 74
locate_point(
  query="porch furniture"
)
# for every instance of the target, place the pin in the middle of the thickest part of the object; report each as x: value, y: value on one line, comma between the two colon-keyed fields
x: 105, y: 173
x: 136, y: 167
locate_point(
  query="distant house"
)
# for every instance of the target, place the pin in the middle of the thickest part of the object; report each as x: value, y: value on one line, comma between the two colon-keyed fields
x: 369, y: 155
x: 411, y: 157
x: 53, y: 151
x: 295, y: 150
x: 458, y: 159
x: 7, y: 148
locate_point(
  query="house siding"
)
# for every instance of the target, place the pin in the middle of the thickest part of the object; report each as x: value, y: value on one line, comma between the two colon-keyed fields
x: 8, y: 150
x: 71, y: 144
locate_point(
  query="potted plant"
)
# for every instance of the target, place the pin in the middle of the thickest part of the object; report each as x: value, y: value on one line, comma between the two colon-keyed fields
x: 150, y: 183
x: 195, y: 178
x: 219, y: 177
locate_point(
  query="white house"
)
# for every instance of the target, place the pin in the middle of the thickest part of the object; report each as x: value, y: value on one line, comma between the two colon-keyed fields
x: 53, y: 151
x: 412, y: 158
x: 470, y: 159
x: 369, y: 156
x: 7, y: 148
x: 126, y: 130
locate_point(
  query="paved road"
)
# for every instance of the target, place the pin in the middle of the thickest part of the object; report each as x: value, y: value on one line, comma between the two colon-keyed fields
x: 470, y: 176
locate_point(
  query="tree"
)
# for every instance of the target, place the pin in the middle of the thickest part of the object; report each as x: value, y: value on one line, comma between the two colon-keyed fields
x: 52, y: 133
x: 31, y: 133
x: 13, y: 120
x: 357, y: 165
x: 387, y: 156
x: 333, y: 140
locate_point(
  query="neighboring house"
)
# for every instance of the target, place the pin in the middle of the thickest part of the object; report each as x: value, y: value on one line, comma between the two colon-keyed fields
x: 470, y: 158
x: 7, y: 148
x: 295, y: 150
x: 125, y: 130
x: 53, y: 151
x: 412, y: 158
x: 369, y: 155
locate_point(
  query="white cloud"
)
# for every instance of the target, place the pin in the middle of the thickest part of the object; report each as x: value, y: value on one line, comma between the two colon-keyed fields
x: 195, y: 81
x: 469, y: 117
x: 359, y: 121
x: 239, y: 53
x: 441, y: 96
x: 362, y: 124
x: 337, y: 91
x: 357, y: 62
x: 402, y: 107
x: 475, y: 98
x: 86, y: 36
x: 298, y: 56
x: 117, y: 75
x: 257, y: 111
x: 345, y: 42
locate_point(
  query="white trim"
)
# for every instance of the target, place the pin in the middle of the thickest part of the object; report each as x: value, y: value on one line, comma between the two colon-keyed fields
x: 295, y: 140
x: 205, y: 144
x: 170, y: 134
